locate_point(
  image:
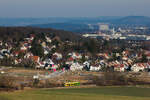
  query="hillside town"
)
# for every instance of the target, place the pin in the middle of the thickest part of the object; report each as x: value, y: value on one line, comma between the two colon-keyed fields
x: 42, y: 53
x: 74, y: 50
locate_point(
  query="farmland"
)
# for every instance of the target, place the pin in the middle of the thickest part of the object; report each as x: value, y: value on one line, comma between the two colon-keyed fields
x: 93, y: 93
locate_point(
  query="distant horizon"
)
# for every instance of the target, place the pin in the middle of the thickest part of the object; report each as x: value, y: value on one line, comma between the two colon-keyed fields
x: 74, y: 17
x: 73, y: 8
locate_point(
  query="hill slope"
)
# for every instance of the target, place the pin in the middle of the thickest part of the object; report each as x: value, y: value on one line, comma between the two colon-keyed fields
x: 19, y: 32
x: 133, y: 20
x: 74, y: 27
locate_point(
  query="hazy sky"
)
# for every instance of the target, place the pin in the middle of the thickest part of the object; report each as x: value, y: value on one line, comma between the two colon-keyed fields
x: 73, y: 8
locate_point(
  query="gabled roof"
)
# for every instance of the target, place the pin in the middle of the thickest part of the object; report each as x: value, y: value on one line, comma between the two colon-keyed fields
x: 70, y: 59
x: 35, y: 58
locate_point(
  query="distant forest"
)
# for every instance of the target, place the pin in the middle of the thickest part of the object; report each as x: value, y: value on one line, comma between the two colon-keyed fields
x: 18, y: 33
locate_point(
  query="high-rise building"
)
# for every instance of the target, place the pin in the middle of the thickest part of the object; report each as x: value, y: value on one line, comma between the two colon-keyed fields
x: 103, y: 27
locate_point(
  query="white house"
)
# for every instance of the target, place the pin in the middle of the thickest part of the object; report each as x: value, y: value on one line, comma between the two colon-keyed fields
x: 138, y: 67
x: 75, y: 55
x: 23, y: 48
x: 87, y: 64
x: 119, y: 67
x: 48, y: 61
x: 48, y: 39
x: 57, y: 55
x: 76, y: 66
x: 95, y: 68
x: 28, y: 55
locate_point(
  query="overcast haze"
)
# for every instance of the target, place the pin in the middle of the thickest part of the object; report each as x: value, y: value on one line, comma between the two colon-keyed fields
x: 73, y: 8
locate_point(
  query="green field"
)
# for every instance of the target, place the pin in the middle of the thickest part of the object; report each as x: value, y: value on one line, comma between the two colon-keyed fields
x: 100, y: 93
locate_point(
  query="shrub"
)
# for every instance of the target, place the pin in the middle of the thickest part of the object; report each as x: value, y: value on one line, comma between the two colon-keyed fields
x: 112, y: 78
x: 7, y: 82
x: 46, y: 84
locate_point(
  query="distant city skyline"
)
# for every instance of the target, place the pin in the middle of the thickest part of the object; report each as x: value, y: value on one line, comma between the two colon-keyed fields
x: 73, y: 8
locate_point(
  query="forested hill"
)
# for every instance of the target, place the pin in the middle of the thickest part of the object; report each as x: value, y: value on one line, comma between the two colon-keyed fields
x: 18, y: 33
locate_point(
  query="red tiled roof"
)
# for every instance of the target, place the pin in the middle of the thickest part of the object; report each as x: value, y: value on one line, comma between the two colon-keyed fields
x: 25, y: 42
x: 35, y: 58
x: 70, y: 59
x: 148, y: 54
x: 77, y: 54
x: 18, y: 52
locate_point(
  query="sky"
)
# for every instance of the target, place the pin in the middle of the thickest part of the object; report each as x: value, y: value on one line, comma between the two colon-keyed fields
x: 73, y: 8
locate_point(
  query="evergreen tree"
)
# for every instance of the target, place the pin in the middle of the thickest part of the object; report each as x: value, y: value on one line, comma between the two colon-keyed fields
x: 37, y: 48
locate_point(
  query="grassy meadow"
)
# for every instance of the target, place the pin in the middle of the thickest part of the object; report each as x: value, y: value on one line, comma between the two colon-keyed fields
x: 99, y: 93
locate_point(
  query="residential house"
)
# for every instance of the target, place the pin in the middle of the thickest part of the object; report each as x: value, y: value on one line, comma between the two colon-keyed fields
x: 95, y: 68
x: 119, y: 67
x: 70, y: 61
x: 125, y: 53
x: 57, y: 56
x: 17, y: 61
x: 75, y: 55
x: 28, y: 55
x: 76, y: 66
x: 48, y: 39
x: 138, y: 67
x: 106, y: 55
x: 36, y: 59
x: 32, y: 36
